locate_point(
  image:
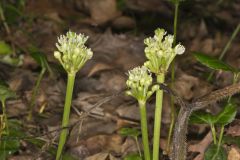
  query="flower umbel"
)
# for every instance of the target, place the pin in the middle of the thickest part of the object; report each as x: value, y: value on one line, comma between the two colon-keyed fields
x: 159, y: 51
x: 72, y: 52
x: 139, y: 82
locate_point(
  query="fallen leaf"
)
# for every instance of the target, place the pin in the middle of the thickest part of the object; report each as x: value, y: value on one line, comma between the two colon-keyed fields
x: 189, y: 87
x: 99, y: 67
x: 201, y: 146
x: 102, y: 11
x: 234, y: 154
x: 234, y: 130
x: 98, y: 156
x: 124, y: 22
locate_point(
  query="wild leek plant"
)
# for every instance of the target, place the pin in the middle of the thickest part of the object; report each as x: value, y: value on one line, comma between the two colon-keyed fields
x: 72, y: 54
x: 139, y: 83
x: 160, y: 53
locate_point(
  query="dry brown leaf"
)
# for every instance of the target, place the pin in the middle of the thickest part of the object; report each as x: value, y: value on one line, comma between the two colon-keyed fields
x: 114, y: 84
x: 201, y: 146
x: 111, y: 143
x: 102, y: 11
x: 129, y: 146
x: 124, y: 22
x: 99, y: 67
x: 234, y: 154
x: 102, y: 156
x: 190, y: 87
x: 98, y: 156
x: 235, y: 129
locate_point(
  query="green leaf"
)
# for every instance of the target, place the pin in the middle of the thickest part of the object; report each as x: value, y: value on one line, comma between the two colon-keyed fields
x: 10, y: 144
x: 201, y: 117
x: 8, y: 147
x: 227, y: 115
x: 39, y: 57
x: 5, y: 48
x: 132, y: 132
x: 6, y: 93
x: 12, y: 13
x: 132, y: 157
x: 213, y: 153
x: 213, y: 63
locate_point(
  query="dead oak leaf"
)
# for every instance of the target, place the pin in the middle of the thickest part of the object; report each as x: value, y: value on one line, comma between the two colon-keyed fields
x: 234, y: 154
x: 201, y: 146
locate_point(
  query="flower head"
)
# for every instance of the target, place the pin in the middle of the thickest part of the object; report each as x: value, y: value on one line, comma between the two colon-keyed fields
x: 160, y: 52
x: 72, y: 52
x: 138, y: 82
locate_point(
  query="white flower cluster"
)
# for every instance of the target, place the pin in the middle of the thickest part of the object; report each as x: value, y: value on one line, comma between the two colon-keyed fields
x: 72, y: 52
x: 159, y: 51
x: 139, y: 81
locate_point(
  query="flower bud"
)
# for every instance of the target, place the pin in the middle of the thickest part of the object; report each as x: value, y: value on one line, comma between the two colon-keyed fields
x: 57, y: 54
x: 65, y: 58
x: 155, y: 88
x: 76, y: 51
x: 149, y: 93
x: 129, y: 93
x: 179, y: 49
x: 75, y: 56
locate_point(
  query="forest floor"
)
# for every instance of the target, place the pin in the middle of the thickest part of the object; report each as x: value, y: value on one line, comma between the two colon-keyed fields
x: 116, y: 30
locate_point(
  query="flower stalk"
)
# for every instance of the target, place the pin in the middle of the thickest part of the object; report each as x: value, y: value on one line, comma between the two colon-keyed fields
x: 160, y: 52
x: 144, y: 129
x: 72, y: 54
x: 158, y: 118
x: 66, y: 113
x: 138, y: 84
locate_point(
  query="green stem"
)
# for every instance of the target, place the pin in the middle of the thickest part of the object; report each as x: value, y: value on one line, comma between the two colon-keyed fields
x: 157, y: 119
x: 226, y: 48
x: 35, y: 91
x: 6, y: 127
x: 219, y: 142
x: 173, y: 111
x: 220, y: 137
x: 138, y: 147
x: 144, y: 128
x: 65, y: 120
x: 4, y: 20
x: 175, y: 23
x: 5, y: 119
x: 213, y: 133
x: 170, y: 131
